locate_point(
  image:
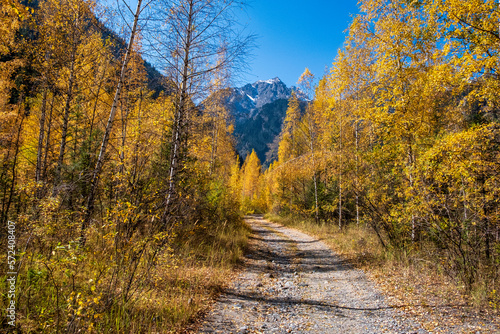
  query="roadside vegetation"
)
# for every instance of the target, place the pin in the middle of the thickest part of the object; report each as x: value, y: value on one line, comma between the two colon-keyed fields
x: 122, y: 190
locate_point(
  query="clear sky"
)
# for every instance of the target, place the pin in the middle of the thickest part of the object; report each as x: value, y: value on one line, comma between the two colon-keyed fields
x: 295, y: 34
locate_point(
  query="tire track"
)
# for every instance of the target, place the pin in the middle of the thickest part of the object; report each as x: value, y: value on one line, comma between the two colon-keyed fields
x: 293, y: 283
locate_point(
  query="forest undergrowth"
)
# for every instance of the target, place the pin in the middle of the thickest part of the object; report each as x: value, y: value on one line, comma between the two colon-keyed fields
x: 105, y: 287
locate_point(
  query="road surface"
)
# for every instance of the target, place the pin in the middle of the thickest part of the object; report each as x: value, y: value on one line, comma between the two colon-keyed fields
x: 293, y: 283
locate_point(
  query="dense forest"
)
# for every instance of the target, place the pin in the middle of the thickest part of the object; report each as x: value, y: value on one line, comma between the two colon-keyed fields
x: 121, y: 198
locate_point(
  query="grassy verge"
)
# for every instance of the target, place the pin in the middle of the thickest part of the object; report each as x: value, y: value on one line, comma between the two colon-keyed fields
x: 412, y: 282
x: 101, y: 289
x: 187, y: 283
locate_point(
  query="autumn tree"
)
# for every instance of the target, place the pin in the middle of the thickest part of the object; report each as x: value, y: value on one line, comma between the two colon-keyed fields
x: 250, y: 171
x: 198, y: 38
x: 414, y: 85
x: 112, y: 113
x: 70, y: 27
x: 85, y: 147
x: 472, y: 35
x: 306, y: 82
x: 13, y: 109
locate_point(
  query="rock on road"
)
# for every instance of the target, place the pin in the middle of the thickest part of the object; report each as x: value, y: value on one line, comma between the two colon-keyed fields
x: 293, y: 283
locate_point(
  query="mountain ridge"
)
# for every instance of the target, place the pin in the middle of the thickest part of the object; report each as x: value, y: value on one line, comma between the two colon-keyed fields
x: 258, y: 110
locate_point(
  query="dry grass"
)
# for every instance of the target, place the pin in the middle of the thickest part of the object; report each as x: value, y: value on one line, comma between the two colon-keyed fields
x: 411, y: 282
x: 87, y: 294
x: 186, y: 280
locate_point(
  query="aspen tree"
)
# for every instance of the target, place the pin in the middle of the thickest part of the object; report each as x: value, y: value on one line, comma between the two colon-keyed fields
x: 288, y: 148
x: 73, y: 16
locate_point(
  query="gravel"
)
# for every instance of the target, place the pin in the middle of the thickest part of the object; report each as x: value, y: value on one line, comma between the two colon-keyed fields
x: 293, y: 283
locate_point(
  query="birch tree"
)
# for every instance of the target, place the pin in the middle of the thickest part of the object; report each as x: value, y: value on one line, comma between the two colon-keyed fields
x: 197, y: 39
x: 109, y: 125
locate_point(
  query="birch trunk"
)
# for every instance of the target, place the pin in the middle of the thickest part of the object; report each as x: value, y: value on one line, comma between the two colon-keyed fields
x: 109, y: 126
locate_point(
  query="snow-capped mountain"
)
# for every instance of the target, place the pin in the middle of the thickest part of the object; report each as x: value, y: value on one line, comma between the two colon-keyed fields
x: 245, y: 102
x: 259, y: 110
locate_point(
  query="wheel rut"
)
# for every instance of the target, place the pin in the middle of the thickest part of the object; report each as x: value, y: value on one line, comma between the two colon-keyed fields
x: 293, y: 283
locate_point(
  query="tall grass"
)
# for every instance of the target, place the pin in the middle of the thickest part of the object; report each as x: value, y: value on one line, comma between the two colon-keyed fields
x: 101, y: 290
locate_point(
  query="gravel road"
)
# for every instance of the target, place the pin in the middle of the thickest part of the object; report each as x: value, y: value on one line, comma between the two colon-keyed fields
x: 293, y: 283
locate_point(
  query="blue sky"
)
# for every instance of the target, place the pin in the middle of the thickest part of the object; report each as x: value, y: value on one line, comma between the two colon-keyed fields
x: 295, y: 34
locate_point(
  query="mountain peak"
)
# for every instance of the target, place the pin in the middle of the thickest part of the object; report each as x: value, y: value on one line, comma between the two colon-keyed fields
x: 259, y: 109
x: 247, y: 100
x: 255, y: 95
x: 270, y: 81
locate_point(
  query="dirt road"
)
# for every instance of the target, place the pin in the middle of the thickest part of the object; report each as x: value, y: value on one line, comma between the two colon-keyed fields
x: 294, y: 283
